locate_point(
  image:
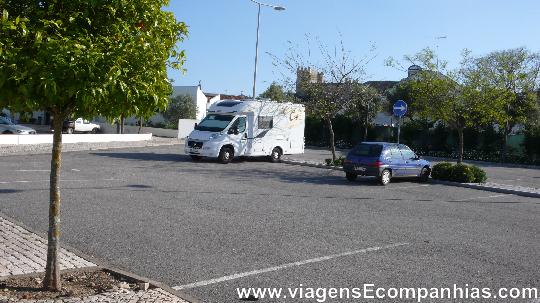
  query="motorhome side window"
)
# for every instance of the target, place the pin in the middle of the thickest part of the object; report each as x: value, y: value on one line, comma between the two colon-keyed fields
x: 266, y: 122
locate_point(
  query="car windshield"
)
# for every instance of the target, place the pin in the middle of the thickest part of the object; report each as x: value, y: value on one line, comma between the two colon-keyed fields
x: 214, y: 123
x: 367, y: 150
x: 5, y: 121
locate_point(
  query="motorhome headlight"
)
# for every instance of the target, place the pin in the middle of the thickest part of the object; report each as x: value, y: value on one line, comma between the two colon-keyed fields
x: 215, y: 136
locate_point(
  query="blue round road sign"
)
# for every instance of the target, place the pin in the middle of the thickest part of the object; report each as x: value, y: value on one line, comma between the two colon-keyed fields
x: 400, y: 108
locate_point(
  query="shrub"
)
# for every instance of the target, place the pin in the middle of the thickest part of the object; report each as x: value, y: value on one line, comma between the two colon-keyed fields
x: 442, y: 171
x: 479, y: 174
x: 338, y: 162
x: 462, y: 173
x: 458, y: 173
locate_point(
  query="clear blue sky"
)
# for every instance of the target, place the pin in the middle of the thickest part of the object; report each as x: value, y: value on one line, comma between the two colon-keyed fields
x: 221, y: 44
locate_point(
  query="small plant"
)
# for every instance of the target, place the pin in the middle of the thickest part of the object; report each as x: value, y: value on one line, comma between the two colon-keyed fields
x: 337, y: 162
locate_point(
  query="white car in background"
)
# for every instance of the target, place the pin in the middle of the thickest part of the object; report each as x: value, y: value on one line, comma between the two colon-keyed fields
x: 7, y: 128
x: 84, y: 126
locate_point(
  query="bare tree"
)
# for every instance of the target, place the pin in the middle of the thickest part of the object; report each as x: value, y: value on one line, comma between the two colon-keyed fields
x: 325, y: 84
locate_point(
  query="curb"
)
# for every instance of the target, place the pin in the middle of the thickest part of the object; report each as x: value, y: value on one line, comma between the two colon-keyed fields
x: 483, y: 163
x: 478, y: 186
x: 101, y: 265
x: 43, y: 151
x: 311, y: 164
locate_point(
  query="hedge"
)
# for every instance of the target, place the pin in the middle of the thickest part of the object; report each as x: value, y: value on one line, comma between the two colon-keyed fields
x: 461, y: 173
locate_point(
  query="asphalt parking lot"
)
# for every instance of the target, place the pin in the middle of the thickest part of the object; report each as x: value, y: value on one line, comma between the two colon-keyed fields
x: 156, y: 213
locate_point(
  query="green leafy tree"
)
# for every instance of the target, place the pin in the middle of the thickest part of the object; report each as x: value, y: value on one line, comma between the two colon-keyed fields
x: 449, y: 96
x: 85, y: 58
x: 509, y: 81
x: 180, y: 107
x: 274, y: 92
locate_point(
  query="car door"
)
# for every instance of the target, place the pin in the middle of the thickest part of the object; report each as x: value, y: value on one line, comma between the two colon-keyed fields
x: 79, y: 126
x: 411, y: 163
x: 396, y: 161
x: 238, y: 135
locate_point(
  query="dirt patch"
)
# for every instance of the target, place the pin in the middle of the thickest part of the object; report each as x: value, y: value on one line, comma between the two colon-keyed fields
x: 74, y: 284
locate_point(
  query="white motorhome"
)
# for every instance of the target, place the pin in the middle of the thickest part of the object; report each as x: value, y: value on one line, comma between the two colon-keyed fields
x: 235, y: 128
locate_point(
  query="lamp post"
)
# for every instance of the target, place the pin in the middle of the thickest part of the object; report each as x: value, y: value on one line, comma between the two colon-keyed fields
x: 259, y: 4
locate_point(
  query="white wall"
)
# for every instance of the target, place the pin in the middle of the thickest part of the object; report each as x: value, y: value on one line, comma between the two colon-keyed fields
x: 73, y: 138
x: 196, y: 94
x: 107, y: 128
x: 185, y: 126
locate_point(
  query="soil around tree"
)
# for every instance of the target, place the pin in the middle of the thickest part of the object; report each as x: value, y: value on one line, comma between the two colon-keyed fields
x: 74, y: 284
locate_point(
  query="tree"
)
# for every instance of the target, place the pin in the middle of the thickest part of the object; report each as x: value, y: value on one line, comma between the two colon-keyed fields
x: 509, y: 81
x: 180, y: 107
x: 325, y: 87
x: 366, y: 102
x: 448, y: 96
x: 274, y: 92
x: 85, y: 58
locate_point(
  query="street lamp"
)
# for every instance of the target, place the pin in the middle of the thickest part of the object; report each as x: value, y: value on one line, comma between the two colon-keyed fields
x: 277, y: 8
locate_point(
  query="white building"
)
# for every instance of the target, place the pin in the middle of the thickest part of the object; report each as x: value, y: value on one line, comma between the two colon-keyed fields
x: 200, y: 99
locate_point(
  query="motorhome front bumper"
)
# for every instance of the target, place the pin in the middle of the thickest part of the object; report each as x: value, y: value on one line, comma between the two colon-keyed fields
x: 200, y: 148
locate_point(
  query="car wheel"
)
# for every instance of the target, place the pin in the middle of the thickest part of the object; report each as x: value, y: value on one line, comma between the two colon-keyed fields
x: 94, y: 131
x: 424, y: 174
x: 7, y: 132
x: 384, y: 179
x: 195, y: 157
x: 70, y: 130
x: 351, y: 177
x: 225, y: 155
x: 275, y: 156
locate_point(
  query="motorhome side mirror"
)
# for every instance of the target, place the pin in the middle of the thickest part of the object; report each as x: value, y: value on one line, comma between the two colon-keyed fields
x: 233, y: 131
x: 195, y: 125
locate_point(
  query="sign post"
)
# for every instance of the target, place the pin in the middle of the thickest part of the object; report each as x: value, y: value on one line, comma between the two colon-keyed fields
x: 399, y: 109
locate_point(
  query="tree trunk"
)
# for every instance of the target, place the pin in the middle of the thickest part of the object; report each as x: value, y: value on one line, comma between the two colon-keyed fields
x: 122, y: 121
x: 332, y: 139
x: 504, y: 148
x: 140, y: 125
x: 366, y: 123
x: 365, y: 131
x: 52, y: 270
x: 460, y: 147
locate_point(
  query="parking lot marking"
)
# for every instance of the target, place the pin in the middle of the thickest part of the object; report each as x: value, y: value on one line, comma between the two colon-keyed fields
x: 412, y: 186
x: 482, y: 197
x: 38, y: 181
x: 287, y: 265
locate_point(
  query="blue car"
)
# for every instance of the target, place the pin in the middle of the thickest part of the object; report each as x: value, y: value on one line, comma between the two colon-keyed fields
x: 385, y: 161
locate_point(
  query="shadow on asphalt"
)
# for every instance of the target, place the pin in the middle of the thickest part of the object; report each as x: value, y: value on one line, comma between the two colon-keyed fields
x: 146, y: 188
x: 10, y: 191
x: 146, y: 156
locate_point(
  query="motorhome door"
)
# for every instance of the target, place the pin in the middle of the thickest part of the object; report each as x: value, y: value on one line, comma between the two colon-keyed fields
x: 238, y: 135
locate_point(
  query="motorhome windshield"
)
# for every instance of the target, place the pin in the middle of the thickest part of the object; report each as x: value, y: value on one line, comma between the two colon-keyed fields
x: 214, y: 123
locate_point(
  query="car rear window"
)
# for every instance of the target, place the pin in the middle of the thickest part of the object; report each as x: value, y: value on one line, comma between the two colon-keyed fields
x: 367, y: 150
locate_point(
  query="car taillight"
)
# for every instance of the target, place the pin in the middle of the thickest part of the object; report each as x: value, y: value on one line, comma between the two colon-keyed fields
x: 376, y: 164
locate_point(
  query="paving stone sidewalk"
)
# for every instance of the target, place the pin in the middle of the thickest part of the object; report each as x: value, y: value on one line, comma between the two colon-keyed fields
x: 23, y: 252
